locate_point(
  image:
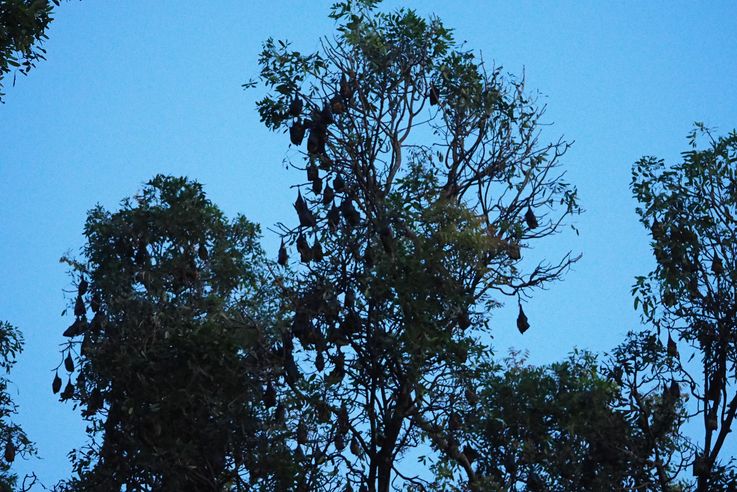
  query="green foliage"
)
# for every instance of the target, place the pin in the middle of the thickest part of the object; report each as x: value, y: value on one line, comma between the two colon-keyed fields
x: 13, y: 441
x: 171, y: 369
x: 426, y: 180
x: 559, y: 427
x: 689, y: 209
x: 652, y: 395
x: 197, y: 367
x: 23, y: 25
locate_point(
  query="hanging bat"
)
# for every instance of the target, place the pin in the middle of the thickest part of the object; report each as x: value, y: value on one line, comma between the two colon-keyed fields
x: 283, y: 256
x: 79, y: 308
x: 350, y: 213
x: 295, y: 107
x: 317, y: 253
x: 522, y: 324
x: 316, y: 141
x: 306, y: 219
x: 328, y: 195
x: 433, y: 95
x: 312, y: 172
x: 269, y: 396
x: 333, y: 218
x: 297, y: 133
x: 530, y: 218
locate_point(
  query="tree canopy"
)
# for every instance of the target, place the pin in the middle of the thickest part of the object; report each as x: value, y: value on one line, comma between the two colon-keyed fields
x: 689, y: 208
x: 568, y: 426
x: 425, y: 182
x: 23, y: 25
x: 170, y: 345
x: 363, y: 346
x: 13, y: 441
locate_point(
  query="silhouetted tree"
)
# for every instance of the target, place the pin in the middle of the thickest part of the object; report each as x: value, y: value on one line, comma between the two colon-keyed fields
x: 566, y: 427
x: 690, y: 297
x: 652, y: 395
x: 169, y: 357
x: 23, y: 25
x: 426, y: 181
x: 13, y: 441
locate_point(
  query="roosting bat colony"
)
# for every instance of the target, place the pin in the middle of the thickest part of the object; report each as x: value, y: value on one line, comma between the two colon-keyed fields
x: 360, y: 356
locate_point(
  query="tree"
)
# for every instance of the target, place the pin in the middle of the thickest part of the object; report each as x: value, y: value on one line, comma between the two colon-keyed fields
x: 426, y: 181
x: 23, y: 25
x: 689, y: 209
x: 649, y: 397
x: 565, y: 427
x: 173, y: 369
x: 13, y: 441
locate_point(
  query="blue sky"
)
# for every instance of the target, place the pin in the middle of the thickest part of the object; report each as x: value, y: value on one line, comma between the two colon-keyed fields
x: 135, y: 88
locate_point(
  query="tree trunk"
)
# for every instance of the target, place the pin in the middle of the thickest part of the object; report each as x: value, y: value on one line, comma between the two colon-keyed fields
x: 385, y: 463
